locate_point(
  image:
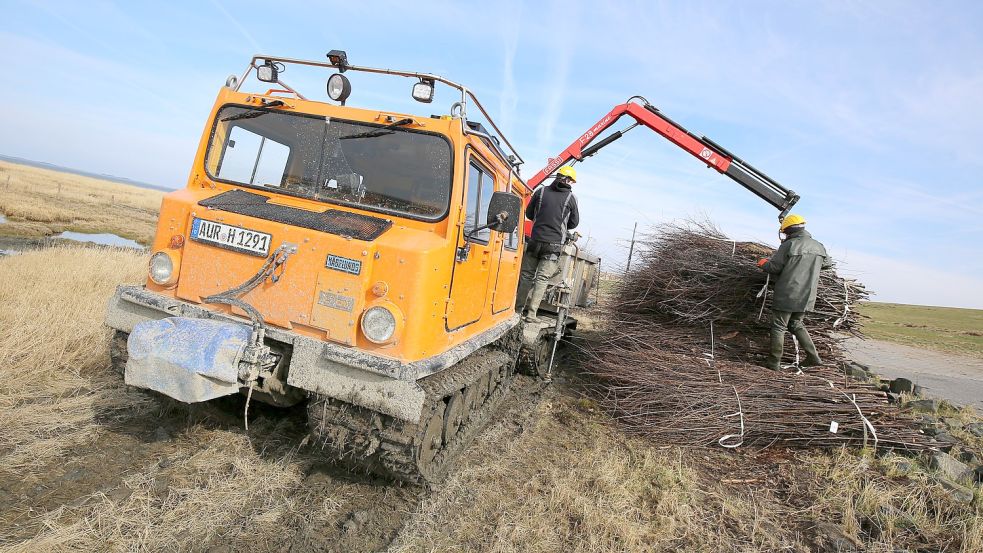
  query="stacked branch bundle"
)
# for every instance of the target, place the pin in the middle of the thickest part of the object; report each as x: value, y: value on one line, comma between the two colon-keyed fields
x: 685, y: 331
x: 705, y: 291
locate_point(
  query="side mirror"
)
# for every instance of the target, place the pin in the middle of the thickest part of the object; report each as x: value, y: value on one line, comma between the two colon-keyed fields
x: 503, y: 212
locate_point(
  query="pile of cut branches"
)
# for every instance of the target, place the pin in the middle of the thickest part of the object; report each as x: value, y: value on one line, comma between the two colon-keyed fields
x: 686, y: 400
x: 686, y: 324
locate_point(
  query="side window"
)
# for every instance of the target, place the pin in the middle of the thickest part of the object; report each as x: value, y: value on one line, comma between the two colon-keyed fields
x: 480, y: 187
x: 512, y: 240
x: 252, y: 158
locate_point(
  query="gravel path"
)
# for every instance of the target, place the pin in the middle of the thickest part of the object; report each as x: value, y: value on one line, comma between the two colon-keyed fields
x: 949, y: 376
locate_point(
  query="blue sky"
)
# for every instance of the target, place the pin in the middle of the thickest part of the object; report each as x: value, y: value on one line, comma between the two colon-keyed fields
x: 871, y: 111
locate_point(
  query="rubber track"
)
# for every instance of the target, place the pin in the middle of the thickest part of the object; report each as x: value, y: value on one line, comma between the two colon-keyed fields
x: 367, y: 440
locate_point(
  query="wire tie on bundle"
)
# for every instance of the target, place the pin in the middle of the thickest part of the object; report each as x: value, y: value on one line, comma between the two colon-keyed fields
x: 712, y: 358
x: 798, y: 369
x: 867, y: 423
x: 740, y: 437
x: 733, y: 250
x: 846, y: 305
x: 763, y: 292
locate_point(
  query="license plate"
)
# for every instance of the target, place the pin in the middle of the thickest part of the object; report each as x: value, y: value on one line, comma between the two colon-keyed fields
x: 229, y: 237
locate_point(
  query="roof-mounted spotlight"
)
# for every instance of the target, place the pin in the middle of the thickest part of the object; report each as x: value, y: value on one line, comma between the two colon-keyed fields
x: 423, y: 90
x: 339, y: 59
x: 339, y: 88
x: 267, y: 72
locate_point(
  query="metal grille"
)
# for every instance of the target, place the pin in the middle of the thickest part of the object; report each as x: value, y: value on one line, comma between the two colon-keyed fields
x: 332, y: 221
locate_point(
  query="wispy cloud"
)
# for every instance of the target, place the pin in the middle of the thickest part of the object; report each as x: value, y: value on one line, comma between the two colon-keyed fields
x: 509, y: 97
x: 257, y: 49
x: 563, y: 43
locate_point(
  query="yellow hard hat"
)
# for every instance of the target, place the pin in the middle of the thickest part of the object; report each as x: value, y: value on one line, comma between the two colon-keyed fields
x: 568, y: 172
x: 791, y: 220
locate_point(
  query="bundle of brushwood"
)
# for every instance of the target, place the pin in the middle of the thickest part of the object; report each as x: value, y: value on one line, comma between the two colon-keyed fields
x: 685, y: 330
x: 686, y: 400
x: 694, y: 290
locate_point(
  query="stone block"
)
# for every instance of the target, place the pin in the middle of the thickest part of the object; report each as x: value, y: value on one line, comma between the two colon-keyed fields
x: 957, y: 492
x: 923, y: 406
x: 830, y: 538
x: 902, y: 386
x: 949, y: 467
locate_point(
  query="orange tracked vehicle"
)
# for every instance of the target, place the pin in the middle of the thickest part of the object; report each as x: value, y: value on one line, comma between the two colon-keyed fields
x: 364, y: 258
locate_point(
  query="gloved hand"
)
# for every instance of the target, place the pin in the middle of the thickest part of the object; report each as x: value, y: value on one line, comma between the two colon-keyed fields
x: 762, y: 261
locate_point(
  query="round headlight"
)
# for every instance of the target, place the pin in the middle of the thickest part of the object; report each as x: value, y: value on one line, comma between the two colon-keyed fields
x: 339, y: 88
x: 161, y: 268
x: 378, y: 324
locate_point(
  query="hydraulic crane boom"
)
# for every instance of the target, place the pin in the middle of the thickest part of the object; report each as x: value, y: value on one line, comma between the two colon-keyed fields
x: 701, y: 147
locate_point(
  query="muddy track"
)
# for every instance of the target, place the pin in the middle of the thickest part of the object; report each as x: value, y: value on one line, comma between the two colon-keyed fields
x: 385, y: 446
x: 364, y: 513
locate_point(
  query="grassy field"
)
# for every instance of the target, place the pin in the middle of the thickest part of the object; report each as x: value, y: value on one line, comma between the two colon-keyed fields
x: 938, y: 328
x: 39, y: 203
x: 89, y: 465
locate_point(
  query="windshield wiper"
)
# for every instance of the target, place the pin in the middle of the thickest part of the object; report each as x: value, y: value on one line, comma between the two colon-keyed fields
x: 256, y: 113
x: 379, y: 132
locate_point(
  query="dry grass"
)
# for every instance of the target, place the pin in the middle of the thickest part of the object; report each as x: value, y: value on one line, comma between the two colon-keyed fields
x: 41, y: 202
x: 90, y: 466
x: 54, y: 354
x: 219, y: 493
x: 572, y: 483
x: 891, y: 502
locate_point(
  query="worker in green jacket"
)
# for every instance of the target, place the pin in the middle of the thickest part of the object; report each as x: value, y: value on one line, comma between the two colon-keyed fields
x: 796, y: 265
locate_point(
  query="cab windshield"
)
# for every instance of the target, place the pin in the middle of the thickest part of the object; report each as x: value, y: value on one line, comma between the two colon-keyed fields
x: 379, y: 168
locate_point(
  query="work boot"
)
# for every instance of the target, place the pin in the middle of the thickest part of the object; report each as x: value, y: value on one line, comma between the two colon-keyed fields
x: 774, y: 361
x: 805, y: 343
x: 535, y: 299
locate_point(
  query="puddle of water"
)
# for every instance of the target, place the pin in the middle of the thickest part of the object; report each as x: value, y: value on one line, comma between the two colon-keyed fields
x: 103, y: 239
x: 9, y: 252
x: 2, y: 218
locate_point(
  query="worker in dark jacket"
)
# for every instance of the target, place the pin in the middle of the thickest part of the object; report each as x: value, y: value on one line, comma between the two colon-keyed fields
x: 553, y: 210
x: 796, y: 265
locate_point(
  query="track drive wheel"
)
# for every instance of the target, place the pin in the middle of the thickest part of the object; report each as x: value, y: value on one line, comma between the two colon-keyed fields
x: 454, y: 416
x: 431, y: 441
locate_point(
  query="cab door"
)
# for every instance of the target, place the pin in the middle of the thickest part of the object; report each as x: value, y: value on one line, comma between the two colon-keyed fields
x: 507, y: 269
x: 476, y: 258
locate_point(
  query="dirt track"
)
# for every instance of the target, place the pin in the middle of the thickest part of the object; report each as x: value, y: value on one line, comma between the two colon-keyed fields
x: 957, y: 378
x: 329, y: 508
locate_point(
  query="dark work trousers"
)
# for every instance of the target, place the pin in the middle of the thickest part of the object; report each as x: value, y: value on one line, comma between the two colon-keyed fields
x: 782, y: 321
x: 535, y: 275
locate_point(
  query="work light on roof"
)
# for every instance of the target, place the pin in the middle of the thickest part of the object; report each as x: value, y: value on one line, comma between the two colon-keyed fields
x: 267, y: 72
x: 339, y: 59
x: 423, y: 91
x: 339, y: 88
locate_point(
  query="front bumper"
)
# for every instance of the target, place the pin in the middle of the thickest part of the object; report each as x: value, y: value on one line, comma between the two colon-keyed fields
x: 344, y: 373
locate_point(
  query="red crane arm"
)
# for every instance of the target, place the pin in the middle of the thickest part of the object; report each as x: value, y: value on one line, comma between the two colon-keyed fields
x: 700, y: 147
